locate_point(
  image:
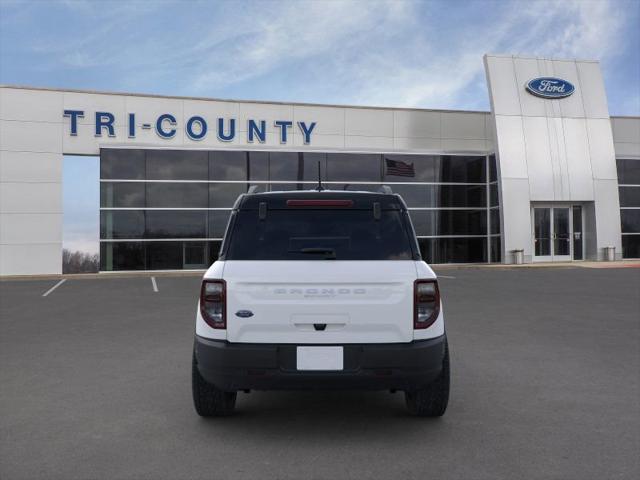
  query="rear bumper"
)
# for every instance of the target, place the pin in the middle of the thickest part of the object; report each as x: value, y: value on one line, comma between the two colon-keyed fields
x: 242, y: 366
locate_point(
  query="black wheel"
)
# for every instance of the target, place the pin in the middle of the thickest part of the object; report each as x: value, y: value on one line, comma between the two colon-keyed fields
x: 208, y: 400
x: 432, y: 400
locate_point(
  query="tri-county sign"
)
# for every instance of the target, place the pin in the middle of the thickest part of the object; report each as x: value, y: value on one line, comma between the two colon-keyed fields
x: 196, y: 127
x: 550, y: 87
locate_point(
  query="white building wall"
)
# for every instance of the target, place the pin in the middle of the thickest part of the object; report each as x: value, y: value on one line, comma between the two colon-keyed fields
x: 626, y: 136
x: 30, y: 182
x: 552, y: 150
x: 34, y: 135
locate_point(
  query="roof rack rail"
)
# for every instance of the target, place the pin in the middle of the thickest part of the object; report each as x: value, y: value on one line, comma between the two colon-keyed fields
x: 385, y: 189
x: 253, y: 189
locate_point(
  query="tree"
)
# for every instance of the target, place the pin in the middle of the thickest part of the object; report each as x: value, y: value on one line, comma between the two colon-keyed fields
x: 79, y: 262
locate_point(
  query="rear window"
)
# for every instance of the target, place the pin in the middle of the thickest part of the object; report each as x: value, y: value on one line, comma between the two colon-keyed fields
x: 308, y: 234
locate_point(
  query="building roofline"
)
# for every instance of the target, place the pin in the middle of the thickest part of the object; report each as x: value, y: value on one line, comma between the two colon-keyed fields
x: 261, y: 102
x: 211, y: 99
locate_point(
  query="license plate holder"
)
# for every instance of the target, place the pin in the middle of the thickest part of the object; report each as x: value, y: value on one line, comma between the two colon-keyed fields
x: 320, y: 358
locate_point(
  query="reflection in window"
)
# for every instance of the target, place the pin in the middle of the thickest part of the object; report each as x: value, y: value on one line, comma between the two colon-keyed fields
x: 409, y: 168
x: 494, y: 215
x: 122, y: 195
x: 413, y: 195
x: 237, y: 165
x: 630, y: 221
x: 442, y: 196
x: 122, y: 256
x: 176, y: 224
x: 449, y: 222
x: 195, y: 255
x: 457, y: 196
x: 285, y: 166
x: 496, y: 251
x: 461, y: 169
x: 258, y: 166
x: 224, y: 195
x: 446, y: 183
x: 228, y: 165
x: 177, y: 195
x: 121, y: 224
x: 345, y: 167
x: 353, y: 187
x: 164, y: 255
x: 296, y: 167
x: 631, y: 246
x: 628, y: 171
x: 493, y: 168
x: 286, y: 187
x: 218, y: 220
x: 177, y: 165
x: 213, y: 250
x: 494, y: 197
x: 124, y: 164
x: 453, y: 250
x: 157, y: 255
x: 434, y: 168
x: 310, y: 166
x: 629, y: 196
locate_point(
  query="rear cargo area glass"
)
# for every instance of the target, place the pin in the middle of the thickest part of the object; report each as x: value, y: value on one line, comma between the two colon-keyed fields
x: 307, y: 234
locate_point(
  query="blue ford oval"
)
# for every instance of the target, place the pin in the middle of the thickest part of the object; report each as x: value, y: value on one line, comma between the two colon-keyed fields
x: 550, y: 87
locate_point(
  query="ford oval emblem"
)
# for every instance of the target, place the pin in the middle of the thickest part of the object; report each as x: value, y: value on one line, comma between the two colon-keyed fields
x: 244, y: 313
x: 550, y: 87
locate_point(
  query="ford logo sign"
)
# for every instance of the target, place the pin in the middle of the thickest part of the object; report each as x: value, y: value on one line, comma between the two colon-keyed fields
x: 244, y: 313
x: 550, y: 87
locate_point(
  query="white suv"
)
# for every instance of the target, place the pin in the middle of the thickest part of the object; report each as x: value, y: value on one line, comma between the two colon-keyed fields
x: 320, y: 290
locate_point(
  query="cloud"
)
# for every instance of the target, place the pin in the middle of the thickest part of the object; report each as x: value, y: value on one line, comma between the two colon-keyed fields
x: 391, y: 56
x: 392, y: 53
x: 556, y: 29
x: 276, y: 37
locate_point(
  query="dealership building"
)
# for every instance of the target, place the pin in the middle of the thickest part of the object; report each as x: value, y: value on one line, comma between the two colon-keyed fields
x: 546, y: 175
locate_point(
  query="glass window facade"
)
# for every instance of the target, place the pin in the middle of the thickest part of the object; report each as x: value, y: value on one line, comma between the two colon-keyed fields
x: 168, y: 209
x: 629, y: 191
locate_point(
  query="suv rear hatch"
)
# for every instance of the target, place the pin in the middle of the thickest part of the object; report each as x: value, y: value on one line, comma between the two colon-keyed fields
x: 320, y: 301
x: 320, y: 268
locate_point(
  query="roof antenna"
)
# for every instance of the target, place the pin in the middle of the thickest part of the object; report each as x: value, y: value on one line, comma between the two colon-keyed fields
x: 320, y: 187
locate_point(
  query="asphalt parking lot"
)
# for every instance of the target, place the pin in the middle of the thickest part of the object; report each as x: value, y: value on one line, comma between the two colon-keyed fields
x: 95, y: 384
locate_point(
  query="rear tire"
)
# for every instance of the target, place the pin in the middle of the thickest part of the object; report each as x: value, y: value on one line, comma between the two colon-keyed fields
x: 208, y: 400
x: 432, y: 400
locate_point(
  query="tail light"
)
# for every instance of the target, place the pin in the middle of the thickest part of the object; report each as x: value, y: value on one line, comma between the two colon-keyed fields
x: 213, y: 303
x: 426, y: 303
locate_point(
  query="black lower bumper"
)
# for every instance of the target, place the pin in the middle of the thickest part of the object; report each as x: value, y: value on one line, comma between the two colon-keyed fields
x: 395, y: 366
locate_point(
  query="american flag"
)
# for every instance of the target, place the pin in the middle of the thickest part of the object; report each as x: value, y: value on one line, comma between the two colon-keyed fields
x: 399, y: 168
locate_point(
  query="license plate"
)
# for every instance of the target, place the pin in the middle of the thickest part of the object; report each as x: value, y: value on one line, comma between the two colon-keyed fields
x: 320, y: 358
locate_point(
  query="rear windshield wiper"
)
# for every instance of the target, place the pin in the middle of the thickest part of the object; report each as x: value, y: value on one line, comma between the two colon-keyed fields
x: 329, y: 252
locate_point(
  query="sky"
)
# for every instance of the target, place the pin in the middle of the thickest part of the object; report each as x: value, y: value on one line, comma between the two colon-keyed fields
x: 382, y: 53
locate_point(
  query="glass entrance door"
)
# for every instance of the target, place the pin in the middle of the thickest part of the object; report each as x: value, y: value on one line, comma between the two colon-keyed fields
x: 561, y: 234
x: 542, y: 233
x: 557, y: 233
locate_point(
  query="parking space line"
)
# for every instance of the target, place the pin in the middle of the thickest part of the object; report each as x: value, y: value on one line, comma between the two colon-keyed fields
x: 445, y: 276
x: 54, y: 287
x: 154, y: 284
